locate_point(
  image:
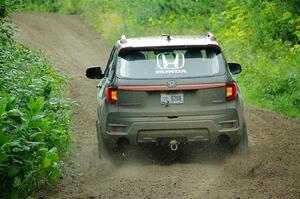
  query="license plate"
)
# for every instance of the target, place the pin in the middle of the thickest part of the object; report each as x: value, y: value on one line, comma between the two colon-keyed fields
x: 176, y: 98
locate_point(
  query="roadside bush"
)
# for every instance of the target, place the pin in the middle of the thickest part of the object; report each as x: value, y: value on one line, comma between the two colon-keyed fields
x: 264, y: 37
x: 34, y: 118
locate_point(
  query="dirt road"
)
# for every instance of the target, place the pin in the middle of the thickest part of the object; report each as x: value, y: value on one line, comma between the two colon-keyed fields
x: 272, y: 169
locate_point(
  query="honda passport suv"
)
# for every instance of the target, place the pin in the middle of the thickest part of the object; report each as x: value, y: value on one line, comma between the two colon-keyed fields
x: 168, y: 90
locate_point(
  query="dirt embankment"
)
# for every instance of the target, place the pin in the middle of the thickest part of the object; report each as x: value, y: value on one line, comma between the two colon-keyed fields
x: 272, y: 169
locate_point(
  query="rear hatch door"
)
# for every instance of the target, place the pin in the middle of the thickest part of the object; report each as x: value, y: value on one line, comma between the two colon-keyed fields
x: 175, y: 81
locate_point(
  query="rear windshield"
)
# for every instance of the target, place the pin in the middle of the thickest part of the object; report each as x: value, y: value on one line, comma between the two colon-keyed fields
x: 170, y: 63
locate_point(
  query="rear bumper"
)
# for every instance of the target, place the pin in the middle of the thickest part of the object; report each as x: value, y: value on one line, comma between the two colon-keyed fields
x: 186, y: 128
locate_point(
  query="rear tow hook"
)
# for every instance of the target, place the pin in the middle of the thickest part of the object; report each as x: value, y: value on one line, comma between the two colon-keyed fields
x: 173, y: 145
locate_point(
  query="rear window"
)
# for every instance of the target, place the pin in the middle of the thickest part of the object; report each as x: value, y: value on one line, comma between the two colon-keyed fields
x: 170, y: 63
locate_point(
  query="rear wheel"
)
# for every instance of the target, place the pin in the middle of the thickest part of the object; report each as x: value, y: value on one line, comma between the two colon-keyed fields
x: 116, y: 155
x: 102, y: 151
x: 242, y: 147
x: 225, y: 148
x: 106, y: 153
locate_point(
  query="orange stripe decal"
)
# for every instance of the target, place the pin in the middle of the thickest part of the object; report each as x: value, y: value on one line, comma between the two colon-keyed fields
x: 165, y: 88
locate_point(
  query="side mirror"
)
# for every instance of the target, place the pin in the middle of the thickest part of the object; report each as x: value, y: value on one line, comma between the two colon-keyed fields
x: 94, y: 73
x: 235, y: 68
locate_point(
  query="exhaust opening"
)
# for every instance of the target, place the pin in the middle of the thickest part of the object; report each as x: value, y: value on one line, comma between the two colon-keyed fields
x: 223, y: 140
x: 223, y: 143
x: 123, y: 142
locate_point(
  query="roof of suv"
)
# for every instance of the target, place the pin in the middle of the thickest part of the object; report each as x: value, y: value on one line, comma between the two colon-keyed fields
x: 140, y: 42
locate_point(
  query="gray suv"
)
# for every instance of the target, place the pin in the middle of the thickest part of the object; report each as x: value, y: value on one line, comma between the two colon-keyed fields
x: 168, y: 90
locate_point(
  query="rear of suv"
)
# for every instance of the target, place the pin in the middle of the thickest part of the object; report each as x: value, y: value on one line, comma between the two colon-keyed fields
x: 169, y: 91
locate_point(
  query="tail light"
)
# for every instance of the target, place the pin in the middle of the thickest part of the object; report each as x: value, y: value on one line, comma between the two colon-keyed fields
x: 231, y: 91
x: 111, y: 94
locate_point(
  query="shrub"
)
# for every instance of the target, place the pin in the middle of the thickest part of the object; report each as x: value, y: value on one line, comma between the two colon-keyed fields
x: 34, y: 118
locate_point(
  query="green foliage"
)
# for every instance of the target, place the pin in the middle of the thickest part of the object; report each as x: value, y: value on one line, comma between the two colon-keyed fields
x: 263, y: 37
x: 34, y: 119
x: 6, y: 6
x: 67, y: 7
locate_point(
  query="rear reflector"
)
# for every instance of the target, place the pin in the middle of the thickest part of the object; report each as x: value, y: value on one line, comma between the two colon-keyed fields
x: 111, y: 94
x: 114, y: 129
x: 231, y: 91
x: 229, y: 125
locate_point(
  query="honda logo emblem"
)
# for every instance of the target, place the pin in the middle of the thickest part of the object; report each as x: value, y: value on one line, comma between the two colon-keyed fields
x: 172, y: 84
x: 170, y: 63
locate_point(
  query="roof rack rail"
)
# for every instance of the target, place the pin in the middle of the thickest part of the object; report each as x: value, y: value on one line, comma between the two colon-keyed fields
x: 123, y: 39
x: 167, y: 35
x: 211, y: 36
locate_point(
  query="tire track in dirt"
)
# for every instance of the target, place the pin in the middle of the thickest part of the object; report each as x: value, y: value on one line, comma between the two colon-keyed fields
x: 270, y: 171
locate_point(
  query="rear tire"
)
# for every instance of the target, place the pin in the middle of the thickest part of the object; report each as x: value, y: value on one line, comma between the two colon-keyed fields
x: 242, y: 147
x: 101, y: 147
x: 116, y: 155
